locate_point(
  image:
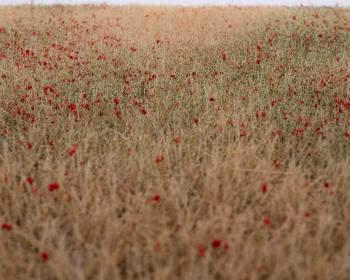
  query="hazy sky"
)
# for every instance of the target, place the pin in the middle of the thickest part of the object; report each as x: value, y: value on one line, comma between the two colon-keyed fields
x: 342, y: 3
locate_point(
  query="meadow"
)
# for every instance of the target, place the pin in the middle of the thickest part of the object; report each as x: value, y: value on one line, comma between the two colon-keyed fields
x: 174, y: 143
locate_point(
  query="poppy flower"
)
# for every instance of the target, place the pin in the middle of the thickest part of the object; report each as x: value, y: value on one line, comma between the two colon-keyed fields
x: 44, y: 256
x: 201, y: 250
x: 263, y: 188
x: 30, y: 180
x: 216, y: 243
x: 53, y: 186
x: 6, y: 227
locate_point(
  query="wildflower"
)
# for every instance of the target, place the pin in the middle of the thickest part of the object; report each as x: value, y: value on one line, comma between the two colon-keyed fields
x: 276, y: 133
x: 117, y: 113
x: 326, y: 184
x: 143, y: 111
x: 30, y: 180
x: 307, y: 215
x: 85, y: 106
x: 152, y: 77
x: 44, y: 256
x: 216, y: 243
x: 260, y: 114
x: 201, y: 250
x: 53, y: 186
x: 72, y: 150
x: 263, y: 188
x: 159, y: 158
x: 29, y: 87
x: 177, y: 140
x: 29, y: 145
x: 156, y: 198
x: 72, y: 107
x: 6, y: 227
x: 267, y: 221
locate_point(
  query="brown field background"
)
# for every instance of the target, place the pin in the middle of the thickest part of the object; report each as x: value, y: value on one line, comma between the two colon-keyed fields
x: 174, y: 143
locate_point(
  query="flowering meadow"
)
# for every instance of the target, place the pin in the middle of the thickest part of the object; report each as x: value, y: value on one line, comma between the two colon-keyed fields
x: 174, y: 143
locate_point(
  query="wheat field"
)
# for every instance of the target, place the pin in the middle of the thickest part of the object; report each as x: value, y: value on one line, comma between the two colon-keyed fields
x: 174, y: 143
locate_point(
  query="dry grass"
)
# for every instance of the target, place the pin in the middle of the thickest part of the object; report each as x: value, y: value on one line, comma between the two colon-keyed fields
x: 171, y: 143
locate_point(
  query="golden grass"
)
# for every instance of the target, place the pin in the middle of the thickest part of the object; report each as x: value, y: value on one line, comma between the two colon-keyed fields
x: 174, y: 143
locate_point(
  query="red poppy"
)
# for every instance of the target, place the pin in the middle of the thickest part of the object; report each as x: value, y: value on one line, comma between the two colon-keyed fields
x: 53, y: 186
x: 6, y: 227
x: 267, y: 221
x: 44, y: 256
x: 30, y: 180
x: 201, y: 250
x: 263, y: 188
x: 72, y: 107
x: 216, y: 243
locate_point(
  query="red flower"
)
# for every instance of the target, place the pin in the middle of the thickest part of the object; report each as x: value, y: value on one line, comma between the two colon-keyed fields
x: 72, y: 150
x: 53, y: 187
x: 85, y: 106
x: 177, y: 139
x: 29, y: 87
x: 263, y: 188
x: 326, y: 184
x: 152, y: 77
x: 7, y: 227
x: 307, y: 215
x: 267, y: 221
x: 29, y: 145
x: 44, y: 256
x: 156, y: 198
x: 260, y: 114
x: 30, y: 180
x: 216, y: 243
x: 159, y: 158
x: 143, y: 111
x: 72, y: 107
x: 117, y: 113
x: 201, y: 250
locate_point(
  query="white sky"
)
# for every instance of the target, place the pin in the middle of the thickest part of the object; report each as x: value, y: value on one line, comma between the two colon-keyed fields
x: 342, y: 3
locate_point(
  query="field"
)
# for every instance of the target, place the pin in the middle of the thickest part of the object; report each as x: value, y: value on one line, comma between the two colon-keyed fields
x: 174, y: 143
